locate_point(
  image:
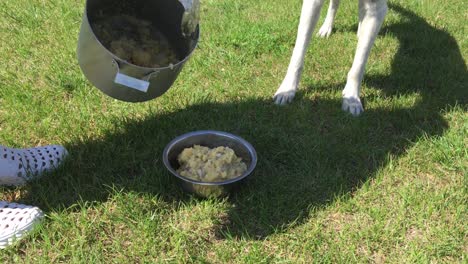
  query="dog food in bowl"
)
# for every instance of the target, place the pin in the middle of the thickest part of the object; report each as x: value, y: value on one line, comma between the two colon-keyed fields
x: 135, y: 40
x: 210, y: 165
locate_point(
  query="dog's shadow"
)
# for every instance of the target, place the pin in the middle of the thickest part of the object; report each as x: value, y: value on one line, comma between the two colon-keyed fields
x: 339, y: 154
x: 428, y: 62
x: 309, y: 152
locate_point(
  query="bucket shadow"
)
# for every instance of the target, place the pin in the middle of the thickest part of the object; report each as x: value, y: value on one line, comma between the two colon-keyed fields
x: 309, y: 152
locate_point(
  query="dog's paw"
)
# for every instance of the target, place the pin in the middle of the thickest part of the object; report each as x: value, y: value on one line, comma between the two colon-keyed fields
x: 282, y: 98
x: 325, y: 31
x: 352, y: 105
x: 286, y: 92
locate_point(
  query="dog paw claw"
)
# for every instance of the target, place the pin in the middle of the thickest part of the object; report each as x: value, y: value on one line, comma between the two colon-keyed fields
x: 352, y: 105
x: 325, y: 31
x: 283, y: 98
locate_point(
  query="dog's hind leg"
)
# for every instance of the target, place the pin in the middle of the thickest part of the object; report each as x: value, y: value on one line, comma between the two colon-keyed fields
x: 374, y: 12
x: 327, y: 26
x: 309, y: 17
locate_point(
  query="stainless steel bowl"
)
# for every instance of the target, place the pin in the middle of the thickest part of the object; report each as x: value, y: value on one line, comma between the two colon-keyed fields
x: 211, y: 139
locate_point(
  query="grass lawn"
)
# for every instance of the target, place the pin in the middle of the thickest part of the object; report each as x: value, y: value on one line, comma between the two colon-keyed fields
x: 387, y: 187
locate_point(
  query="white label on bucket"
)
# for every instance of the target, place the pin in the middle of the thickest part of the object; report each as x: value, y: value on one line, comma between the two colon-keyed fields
x: 131, y: 82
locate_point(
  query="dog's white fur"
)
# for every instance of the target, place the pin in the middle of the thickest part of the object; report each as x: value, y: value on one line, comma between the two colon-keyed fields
x: 371, y: 16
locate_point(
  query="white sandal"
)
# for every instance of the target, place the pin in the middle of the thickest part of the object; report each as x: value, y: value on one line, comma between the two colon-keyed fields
x: 16, y: 220
x: 17, y: 166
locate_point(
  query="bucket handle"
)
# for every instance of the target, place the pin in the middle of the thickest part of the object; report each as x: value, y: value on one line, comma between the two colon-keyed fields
x: 131, y: 82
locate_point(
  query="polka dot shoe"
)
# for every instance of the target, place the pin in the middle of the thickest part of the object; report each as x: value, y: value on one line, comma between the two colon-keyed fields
x: 16, y: 220
x: 17, y: 166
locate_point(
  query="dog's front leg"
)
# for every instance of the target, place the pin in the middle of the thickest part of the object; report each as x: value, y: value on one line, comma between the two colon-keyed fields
x: 373, y: 14
x: 309, y: 16
x: 327, y: 26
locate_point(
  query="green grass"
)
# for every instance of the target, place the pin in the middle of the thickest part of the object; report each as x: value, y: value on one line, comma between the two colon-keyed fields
x: 389, y: 186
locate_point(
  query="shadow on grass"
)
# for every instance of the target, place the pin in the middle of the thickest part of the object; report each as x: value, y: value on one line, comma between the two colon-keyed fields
x: 309, y: 152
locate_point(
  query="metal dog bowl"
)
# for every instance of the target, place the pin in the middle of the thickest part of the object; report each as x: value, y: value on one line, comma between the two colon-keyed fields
x: 211, y: 139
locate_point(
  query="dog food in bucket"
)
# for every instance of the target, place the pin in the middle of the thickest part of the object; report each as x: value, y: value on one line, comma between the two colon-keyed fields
x: 135, y: 41
x: 210, y: 165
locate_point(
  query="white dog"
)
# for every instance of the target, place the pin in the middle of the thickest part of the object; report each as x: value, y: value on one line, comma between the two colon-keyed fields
x: 371, y: 16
